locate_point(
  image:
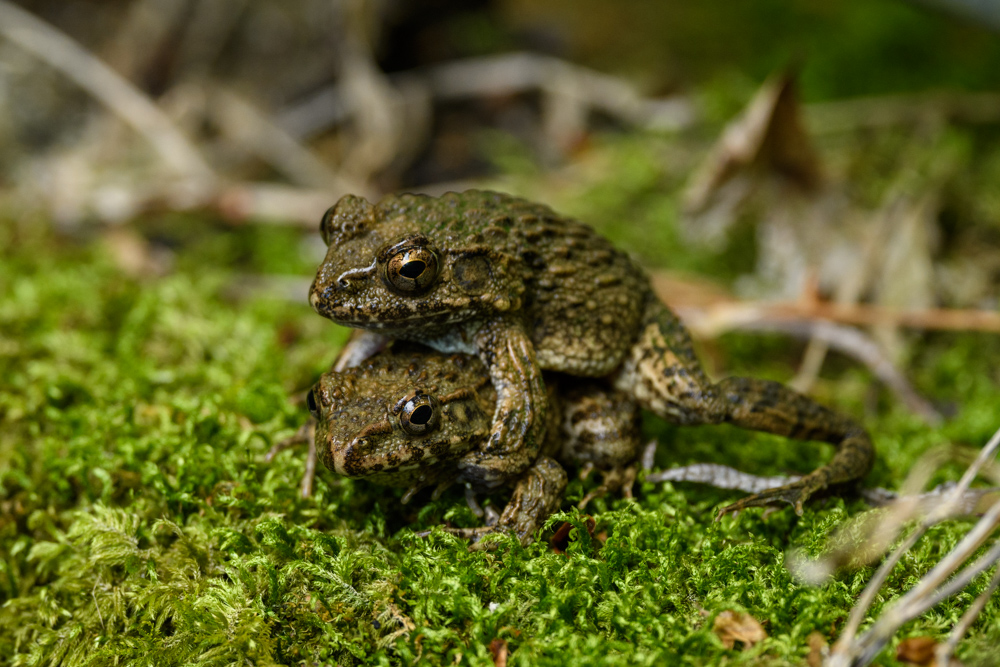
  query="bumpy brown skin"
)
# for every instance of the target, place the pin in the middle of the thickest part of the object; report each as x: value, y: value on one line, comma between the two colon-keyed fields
x: 528, y: 290
x: 361, y: 431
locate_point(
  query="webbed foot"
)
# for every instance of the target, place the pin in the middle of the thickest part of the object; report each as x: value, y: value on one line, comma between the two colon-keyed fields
x: 622, y: 478
x: 537, y: 494
x: 795, y: 494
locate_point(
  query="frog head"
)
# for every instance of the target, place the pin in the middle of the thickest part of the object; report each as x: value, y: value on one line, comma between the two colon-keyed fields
x: 402, y: 419
x: 417, y: 264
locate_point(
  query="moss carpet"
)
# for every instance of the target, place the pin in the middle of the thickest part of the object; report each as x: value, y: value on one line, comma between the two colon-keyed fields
x: 140, y: 526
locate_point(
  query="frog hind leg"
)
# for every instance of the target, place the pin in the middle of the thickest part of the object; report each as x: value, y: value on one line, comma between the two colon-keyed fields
x: 619, y: 478
x: 537, y: 494
x: 600, y: 430
x: 664, y: 375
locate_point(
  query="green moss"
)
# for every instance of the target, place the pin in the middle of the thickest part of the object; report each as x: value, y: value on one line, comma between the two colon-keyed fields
x: 138, y: 524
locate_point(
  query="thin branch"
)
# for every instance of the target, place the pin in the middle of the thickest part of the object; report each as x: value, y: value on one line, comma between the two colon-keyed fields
x: 107, y: 86
x: 721, y: 477
x: 248, y: 126
x: 275, y: 204
x: 913, y: 604
x: 498, y: 75
x: 723, y: 316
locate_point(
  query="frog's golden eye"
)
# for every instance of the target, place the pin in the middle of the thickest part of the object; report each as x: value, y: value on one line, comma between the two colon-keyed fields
x: 420, y: 414
x: 411, y: 268
x: 313, y: 403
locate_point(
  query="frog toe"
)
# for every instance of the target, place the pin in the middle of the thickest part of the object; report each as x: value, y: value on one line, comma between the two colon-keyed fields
x: 795, y: 494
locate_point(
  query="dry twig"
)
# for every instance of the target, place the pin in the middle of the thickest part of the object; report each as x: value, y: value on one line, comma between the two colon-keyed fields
x: 721, y: 477
x: 851, y: 650
x: 709, y: 313
x: 104, y: 84
x: 250, y: 128
x: 499, y: 75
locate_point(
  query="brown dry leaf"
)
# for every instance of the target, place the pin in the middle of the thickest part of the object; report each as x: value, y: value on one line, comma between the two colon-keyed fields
x: 498, y: 649
x: 818, y: 649
x: 560, y: 539
x: 769, y: 134
x: 735, y: 626
x: 917, y: 650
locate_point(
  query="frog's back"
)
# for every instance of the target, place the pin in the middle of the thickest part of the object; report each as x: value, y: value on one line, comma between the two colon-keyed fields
x: 582, y: 298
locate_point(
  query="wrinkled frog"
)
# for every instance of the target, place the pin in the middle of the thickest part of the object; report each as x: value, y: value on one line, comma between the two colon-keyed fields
x: 408, y: 417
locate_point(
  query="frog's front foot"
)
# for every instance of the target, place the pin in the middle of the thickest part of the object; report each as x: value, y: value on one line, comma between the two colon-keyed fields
x: 615, y: 479
x: 537, y: 494
x: 795, y: 494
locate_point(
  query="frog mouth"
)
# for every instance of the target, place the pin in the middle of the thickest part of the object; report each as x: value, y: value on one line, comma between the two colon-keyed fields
x: 359, y: 459
x: 386, y: 319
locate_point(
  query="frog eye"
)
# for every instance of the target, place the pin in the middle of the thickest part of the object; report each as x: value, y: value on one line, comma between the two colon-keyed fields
x: 420, y: 414
x: 412, y: 268
x: 313, y: 403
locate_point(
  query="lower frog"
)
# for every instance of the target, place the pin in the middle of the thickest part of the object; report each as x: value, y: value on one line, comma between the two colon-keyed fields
x: 407, y: 416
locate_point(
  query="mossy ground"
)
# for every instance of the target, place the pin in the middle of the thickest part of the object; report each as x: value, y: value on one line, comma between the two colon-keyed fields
x: 139, y: 525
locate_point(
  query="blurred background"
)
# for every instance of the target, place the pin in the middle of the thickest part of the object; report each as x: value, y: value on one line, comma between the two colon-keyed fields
x: 829, y: 170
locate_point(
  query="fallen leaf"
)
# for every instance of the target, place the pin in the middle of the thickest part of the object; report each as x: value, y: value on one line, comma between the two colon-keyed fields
x: 917, y: 650
x: 769, y: 134
x: 735, y: 626
x: 560, y: 539
x: 498, y: 649
x: 818, y: 649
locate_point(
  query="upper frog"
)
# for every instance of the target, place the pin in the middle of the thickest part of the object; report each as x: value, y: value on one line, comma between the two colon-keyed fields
x: 433, y: 269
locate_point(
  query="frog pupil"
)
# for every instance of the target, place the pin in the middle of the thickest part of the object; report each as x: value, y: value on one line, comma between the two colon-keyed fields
x: 412, y: 269
x: 421, y: 415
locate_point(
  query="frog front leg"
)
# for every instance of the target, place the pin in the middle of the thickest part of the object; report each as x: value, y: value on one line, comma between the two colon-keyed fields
x: 360, y: 346
x: 665, y: 377
x: 520, y: 418
x: 537, y: 494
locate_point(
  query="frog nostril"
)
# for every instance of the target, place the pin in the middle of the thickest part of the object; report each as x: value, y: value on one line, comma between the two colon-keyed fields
x: 347, y: 283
